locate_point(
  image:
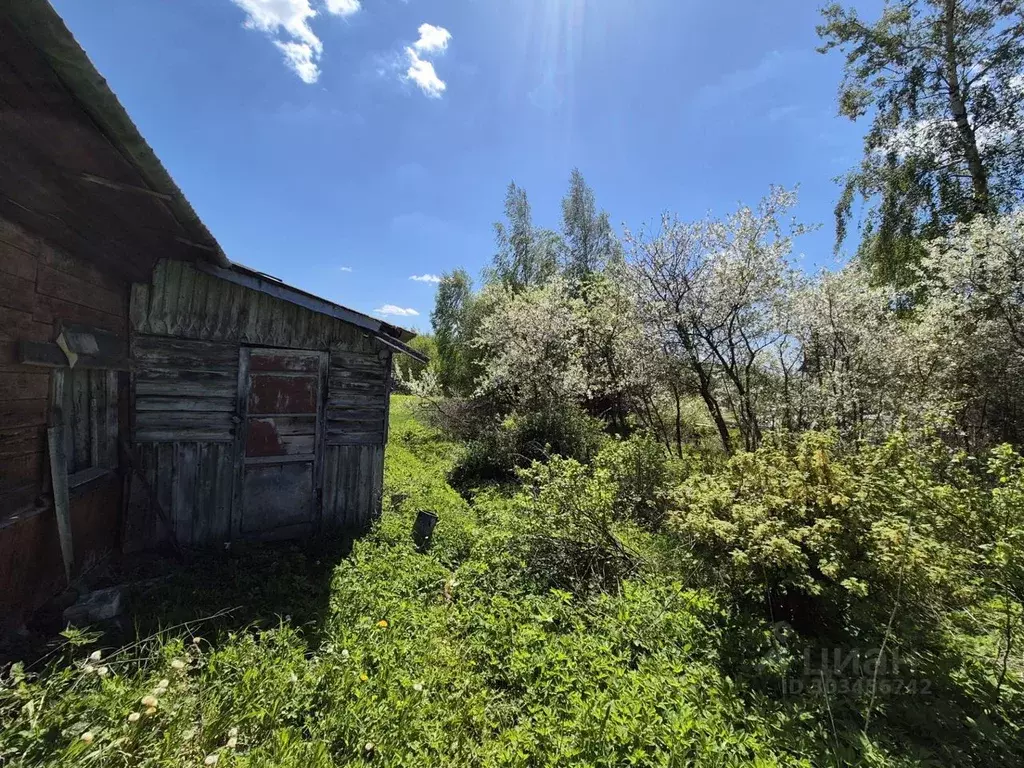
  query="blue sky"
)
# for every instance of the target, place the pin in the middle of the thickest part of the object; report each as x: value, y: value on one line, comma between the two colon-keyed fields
x: 348, y: 169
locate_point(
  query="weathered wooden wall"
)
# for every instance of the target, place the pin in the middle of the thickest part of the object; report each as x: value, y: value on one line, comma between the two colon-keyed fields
x: 188, y: 331
x: 41, y: 287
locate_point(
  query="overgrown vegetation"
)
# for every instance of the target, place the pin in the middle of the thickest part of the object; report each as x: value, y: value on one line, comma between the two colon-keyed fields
x: 611, y: 613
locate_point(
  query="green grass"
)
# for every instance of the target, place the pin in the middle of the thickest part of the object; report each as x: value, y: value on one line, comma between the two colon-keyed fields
x: 388, y: 656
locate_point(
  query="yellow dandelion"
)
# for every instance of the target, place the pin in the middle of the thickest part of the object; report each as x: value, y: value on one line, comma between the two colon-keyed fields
x: 383, y: 623
x: 134, y: 717
x: 211, y: 759
x: 363, y: 677
x: 88, y: 737
x: 149, y: 701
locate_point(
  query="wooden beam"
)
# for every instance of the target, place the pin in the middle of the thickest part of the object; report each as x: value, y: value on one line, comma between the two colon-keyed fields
x: 49, y: 355
x: 61, y: 504
x: 123, y: 187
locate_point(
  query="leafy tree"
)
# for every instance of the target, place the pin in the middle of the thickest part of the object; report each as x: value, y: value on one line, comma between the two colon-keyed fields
x: 454, y: 319
x: 526, y: 257
x: 590, y: 243
x: 715, y: 293
x: 942, y: 81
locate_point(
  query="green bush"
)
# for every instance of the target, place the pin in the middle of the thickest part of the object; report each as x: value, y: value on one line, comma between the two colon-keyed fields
x: 640, y: 469
x: 500, y: 448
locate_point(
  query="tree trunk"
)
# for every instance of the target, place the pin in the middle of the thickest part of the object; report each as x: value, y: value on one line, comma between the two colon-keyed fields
x: 968, y: 139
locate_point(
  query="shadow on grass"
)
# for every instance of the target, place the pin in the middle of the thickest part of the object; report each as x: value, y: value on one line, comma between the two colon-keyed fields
x: 211, y: 594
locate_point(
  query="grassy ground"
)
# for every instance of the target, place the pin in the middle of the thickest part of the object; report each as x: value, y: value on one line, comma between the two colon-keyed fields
x: 385, y: 655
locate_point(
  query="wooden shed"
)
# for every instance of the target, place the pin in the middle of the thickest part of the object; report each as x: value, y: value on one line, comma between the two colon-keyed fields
x: 260, y: 411
x: 149, y: 387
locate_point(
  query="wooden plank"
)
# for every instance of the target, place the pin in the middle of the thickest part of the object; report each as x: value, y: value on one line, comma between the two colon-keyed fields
x: 183, y: 491
x: 96, y: 401
x: 50, y: 309
x: 196, y: 435
x: 354, y: 400
x: 221, y: 521
x: 77, y: 420
x: 61, y: 504
x: 320, y: 437
x: 138, y: 306
x: 171, y: 420
x: 238, y: 450
x: 23, y: 413
x: 177, y: 388
x: 16, y: 324
x: 110, y: 428
x: 17, y: 262
x: 49, y: 355
x: 203, y: 500
x: 24, y: 385
x: 20, y: 442
x: 217, y: 377
x: 61, y: 285
x: 344, y: 437
x: 79, y: 269
x: 18, y: 293
x: 205, y: 404
x: 23, y: 470
x: 15, y: 237
x: 184, y: 353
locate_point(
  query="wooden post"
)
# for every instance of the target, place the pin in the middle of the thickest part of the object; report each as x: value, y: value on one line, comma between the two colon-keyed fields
x: 61, y: 505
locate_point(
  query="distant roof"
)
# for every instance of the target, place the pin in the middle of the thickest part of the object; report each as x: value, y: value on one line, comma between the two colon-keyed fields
x: 79, y: 172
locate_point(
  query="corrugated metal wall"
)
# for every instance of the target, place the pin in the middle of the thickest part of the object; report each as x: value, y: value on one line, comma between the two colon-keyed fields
x: 188, y: 331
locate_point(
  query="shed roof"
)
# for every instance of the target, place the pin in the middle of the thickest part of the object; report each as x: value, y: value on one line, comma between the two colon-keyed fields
x: 79, y: 172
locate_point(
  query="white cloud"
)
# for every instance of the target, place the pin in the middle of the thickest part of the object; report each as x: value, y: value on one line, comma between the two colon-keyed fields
x: 343, y: 7
x: 422, y: 73
x: 392, y: 310
x: 302, y: 58
x: 345, y: 269
x: 427, y: 278
x: 432, y: 39
x: 286, y: 22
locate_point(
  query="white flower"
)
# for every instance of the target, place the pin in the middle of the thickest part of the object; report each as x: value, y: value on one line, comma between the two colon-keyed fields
x: 103, y: 671
x: 178, y: 664
x: 211, y: 759
x: 95, y: 655
x: 344, y: 653
x: 88, y: 737
x: 134, y: 717
x: 149, y: 701
x: 232, y: 742
x: 232, y: 732
x: 418, y: 687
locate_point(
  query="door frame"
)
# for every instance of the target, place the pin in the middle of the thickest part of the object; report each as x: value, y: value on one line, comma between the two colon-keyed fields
x: 241, y: 428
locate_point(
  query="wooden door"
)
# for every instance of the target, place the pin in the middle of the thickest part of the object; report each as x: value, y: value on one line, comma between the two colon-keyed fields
x: 281, y: 403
